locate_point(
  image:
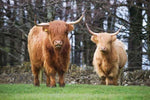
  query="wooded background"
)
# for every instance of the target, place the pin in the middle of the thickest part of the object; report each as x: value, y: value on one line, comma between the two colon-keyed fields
x: 17, y: 18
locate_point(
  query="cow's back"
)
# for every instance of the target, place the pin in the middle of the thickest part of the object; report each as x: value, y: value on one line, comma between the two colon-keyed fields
x: 35, y: 41
x: 120, y: 48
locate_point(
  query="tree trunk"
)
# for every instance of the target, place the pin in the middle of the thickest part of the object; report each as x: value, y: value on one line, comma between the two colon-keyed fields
x: 148, y: 28
x: 11, y: 16
x: 77, y: 36
x: 135, y: 37
x: 111, y: 19
x: 1, y: 35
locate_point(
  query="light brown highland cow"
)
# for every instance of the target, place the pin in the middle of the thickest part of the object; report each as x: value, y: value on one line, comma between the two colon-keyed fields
x: 109, y: 57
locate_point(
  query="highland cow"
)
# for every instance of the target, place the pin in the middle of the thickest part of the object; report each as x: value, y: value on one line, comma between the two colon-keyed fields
x: 49, y: 48
x: 109, y: 57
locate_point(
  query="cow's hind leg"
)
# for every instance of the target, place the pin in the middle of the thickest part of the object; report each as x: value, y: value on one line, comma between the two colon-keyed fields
x: 35, y: 72
x: 61, y: 79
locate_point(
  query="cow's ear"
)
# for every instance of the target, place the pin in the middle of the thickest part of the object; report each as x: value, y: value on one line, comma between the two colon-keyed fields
x: 113, y: 38
x: 70, y: 27
x: 94, y: 39
x: 45, y: 29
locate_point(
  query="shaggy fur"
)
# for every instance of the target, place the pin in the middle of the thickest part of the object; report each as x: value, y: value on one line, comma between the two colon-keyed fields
x: 44, y: 54
x: 108, y: 63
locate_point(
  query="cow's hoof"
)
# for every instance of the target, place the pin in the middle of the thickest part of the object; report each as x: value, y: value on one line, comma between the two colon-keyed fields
x: 62, y: 85
x: 37, y: 85
x: 52, y: 86
x: 48, y: 85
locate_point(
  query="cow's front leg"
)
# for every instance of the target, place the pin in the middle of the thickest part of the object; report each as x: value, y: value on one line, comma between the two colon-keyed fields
x: 47, y: 80
x: 50, y: 74
x: 61, y: 79
x: 113, y: 76
x: 52, y: 79
x: 103, y: 78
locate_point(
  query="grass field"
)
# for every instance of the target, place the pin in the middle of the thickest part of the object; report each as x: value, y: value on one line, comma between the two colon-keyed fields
x: 73, y: 92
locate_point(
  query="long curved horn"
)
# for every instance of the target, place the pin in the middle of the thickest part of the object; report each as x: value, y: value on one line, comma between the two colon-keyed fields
x: 77, y: 21
x: 93, y: 33
x: 43, y: 24
x: 117, y: 31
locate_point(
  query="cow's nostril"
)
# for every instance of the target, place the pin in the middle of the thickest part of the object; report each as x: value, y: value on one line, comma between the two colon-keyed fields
x: 58, y: 43
x: 103, y: 49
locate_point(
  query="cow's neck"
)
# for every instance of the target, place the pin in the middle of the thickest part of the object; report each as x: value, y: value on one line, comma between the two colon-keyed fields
x: 57, y: 53
x: 62, y: 51
x: 106, y: 56
x: 106, y: 62
x: 110, y: 56
x: 57, y: 50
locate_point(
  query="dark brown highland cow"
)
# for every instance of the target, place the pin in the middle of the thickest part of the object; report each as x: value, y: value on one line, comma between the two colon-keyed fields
x: 49, y: 48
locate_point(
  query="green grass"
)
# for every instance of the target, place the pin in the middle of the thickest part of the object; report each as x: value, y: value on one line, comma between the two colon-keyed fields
x: 73, y: 92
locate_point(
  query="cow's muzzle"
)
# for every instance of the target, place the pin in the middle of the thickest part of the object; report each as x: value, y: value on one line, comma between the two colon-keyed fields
x: 58, y: 43
x: 103, y: 49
